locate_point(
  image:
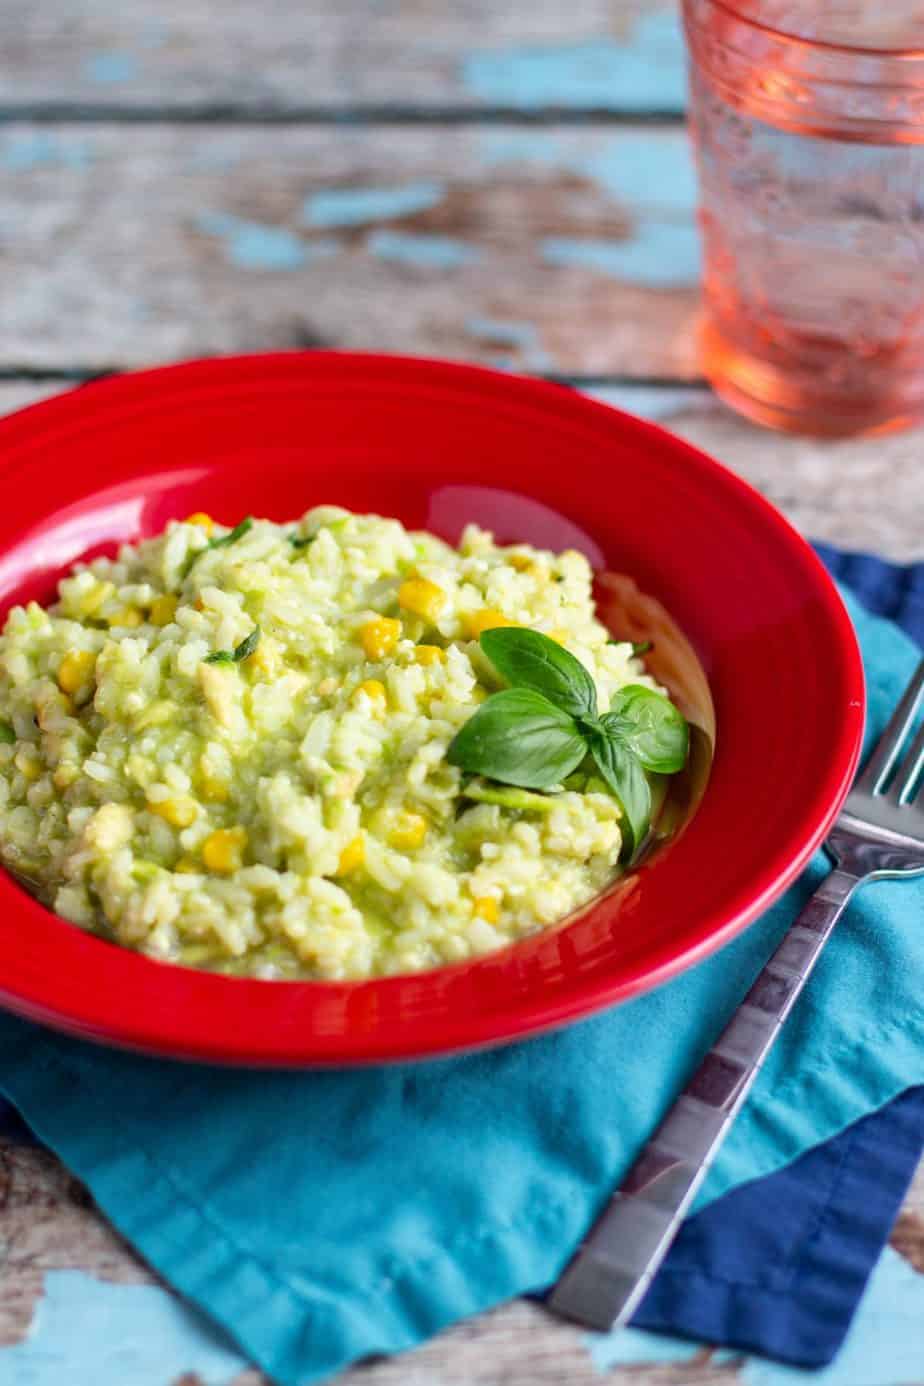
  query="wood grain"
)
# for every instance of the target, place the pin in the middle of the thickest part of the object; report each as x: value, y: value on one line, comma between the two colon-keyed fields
x: 545, y: 250
x: 47, y: 1222
x: 182, y: 55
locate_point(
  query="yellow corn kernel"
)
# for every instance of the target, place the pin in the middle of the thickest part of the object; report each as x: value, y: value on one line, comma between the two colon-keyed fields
x: 127, y: 616
x: 265, y: 658
x: 429, y: 654
x: 409, y: 832
x: 558, y: 635
x: 375, y: 692
x: 76, y: 669
x: 487, y: 908
x: 352, y: 856
x: 179, y: 813
x: 64, y: 776
x: 155, y: 715
x: 477, y: 622
x: 422, y: 597
x: 163, y: 609
x: 522, y: 562
x: 202, y: 520
x: 214, y: 790
x: 212, y: 784
x: 379, y: 637
x: 27, y: 764
x: 223, y: 849
x: 92, y: 601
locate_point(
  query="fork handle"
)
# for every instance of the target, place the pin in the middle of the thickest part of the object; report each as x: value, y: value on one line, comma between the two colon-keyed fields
x: 605, y: 1281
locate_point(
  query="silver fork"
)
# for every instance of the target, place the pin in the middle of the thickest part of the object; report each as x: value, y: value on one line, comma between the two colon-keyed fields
x: 879, y: 834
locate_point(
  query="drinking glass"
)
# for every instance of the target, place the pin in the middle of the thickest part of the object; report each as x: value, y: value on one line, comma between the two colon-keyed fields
x: 808, y: 124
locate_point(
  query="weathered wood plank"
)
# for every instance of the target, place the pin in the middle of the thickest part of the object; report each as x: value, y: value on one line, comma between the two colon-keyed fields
x: 17, y: 394
x: 561, y: 250
x: 855, y: 494
x: 605, y: 55
x: 47, y: 1223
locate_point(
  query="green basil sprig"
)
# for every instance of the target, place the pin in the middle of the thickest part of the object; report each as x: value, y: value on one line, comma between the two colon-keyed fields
x: 240, y: 652
x: 519, y: 737
x: 650, y: 726
x: 238, y: 532
x: 527, y: 659
x: 538, y: 731
x: 222, y: 542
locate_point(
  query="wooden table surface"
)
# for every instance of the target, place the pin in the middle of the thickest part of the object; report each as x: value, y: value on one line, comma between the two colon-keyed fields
x: 494, y: 181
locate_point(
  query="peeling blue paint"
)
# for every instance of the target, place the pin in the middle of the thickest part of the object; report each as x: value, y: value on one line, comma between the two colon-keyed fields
x: 644, y: 72
x: 661, y: 256
x: 882, y: 1347
x: 88, y: 1331
x: 523, y: 337
x: 428, y: 252
x: 111, y: 67
x: 656, y: 402
x: 21, y: 153
x: 253, y: 245
x: 652, y: 172
x: 629, y: 1347
x: 153, y: 35
x: 359, y: 206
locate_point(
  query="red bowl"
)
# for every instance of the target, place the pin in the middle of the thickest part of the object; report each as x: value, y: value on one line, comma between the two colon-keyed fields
x: 437, y: 445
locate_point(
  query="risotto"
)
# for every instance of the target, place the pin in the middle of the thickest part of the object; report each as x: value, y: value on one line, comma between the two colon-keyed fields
x: 231, y: 748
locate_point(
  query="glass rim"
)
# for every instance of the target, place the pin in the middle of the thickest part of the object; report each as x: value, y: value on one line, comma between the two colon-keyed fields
x: 907, y: 54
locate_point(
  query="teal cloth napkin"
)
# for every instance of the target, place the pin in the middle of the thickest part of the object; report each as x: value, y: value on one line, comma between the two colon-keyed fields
x: 321, y: 1217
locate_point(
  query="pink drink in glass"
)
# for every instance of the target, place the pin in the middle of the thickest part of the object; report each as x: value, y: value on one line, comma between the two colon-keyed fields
x: 808, y: 122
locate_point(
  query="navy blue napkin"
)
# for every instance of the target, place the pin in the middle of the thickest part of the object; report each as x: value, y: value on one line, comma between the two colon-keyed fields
x: 777, y: 1266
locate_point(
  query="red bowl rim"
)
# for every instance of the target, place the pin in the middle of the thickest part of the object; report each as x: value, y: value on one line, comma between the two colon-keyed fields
x: 189, y: 1032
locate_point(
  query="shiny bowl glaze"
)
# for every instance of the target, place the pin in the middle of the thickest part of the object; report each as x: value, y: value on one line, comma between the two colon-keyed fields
x: 439, y: 445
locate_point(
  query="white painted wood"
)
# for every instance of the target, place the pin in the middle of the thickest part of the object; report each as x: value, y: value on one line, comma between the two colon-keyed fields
x: 544, y: 250
x: 623, y: 55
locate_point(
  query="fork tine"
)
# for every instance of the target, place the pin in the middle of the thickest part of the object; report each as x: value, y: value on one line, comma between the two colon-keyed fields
x: 903, y: 788
x: 889, y: 745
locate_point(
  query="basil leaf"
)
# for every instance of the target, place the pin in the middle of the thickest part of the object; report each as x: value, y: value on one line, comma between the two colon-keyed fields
x: 247, y: 646
x: 240, y: 652
x: 527, y: 659
x: 651, y: 726
x: 7, y: 735
x: 625, y: 778
x: 233, y: 535
x: 519, y: 737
